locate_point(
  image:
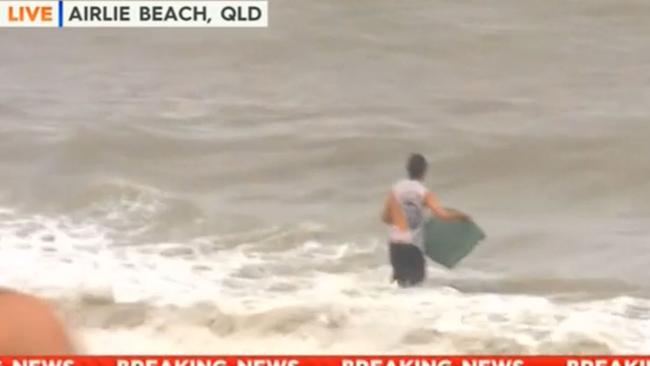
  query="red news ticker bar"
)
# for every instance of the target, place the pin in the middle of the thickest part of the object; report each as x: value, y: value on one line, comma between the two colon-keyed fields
x: 327, y: 361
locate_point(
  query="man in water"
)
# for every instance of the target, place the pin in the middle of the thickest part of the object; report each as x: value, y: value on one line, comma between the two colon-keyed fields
x: 404, y: 211
x: 29, y: 327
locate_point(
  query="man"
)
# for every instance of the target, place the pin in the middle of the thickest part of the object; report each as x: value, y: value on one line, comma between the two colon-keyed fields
x: 404, y: 211
x: 29, y: 327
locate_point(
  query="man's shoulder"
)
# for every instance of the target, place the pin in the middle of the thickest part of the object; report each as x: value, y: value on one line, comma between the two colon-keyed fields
x: 410, y: 185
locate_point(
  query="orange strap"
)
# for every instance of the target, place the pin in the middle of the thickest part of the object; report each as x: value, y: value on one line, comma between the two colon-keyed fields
x: 396, y: 214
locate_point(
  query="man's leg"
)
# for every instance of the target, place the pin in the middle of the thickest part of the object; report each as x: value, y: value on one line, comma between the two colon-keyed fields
x: 399, y: 264
x: 415, y: 265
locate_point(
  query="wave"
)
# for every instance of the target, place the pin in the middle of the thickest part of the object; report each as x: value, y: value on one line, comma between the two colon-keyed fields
x: 281, y: 289
x: 434, y: 321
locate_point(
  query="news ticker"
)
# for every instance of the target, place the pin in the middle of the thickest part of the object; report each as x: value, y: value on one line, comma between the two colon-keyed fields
x: 137, y: 14
x: 328, y: 361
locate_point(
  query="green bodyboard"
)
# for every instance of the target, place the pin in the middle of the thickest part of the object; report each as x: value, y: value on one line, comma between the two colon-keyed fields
x: 448, y: 242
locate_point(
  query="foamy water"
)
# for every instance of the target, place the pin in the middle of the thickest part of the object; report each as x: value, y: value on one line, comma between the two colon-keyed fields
x: 210, y: 296
x: 218, y: 191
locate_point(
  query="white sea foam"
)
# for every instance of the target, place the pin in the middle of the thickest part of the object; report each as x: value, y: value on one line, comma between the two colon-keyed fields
x: 170, y: 298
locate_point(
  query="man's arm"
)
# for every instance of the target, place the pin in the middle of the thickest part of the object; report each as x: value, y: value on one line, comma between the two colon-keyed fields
x: 432, y: 203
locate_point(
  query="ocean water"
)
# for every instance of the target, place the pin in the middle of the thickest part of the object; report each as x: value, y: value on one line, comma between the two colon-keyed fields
x: 218, y: 190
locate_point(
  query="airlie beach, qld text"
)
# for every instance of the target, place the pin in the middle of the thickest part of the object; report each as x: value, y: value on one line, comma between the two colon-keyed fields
x: 77, y: 13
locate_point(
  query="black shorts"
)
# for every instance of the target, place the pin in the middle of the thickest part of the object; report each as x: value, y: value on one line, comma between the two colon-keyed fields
x: 408, y: 264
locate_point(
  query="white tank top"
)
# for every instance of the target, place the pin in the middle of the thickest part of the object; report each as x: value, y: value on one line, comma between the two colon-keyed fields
x: 411, y: 195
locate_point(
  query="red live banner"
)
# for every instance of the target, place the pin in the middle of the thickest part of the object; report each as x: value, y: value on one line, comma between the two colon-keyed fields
x: 327, y: 361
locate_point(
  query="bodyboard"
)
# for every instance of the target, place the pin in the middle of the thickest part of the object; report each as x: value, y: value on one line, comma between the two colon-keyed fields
x: 448, y: 242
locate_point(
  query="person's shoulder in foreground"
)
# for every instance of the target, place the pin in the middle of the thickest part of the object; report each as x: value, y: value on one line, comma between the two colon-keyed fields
x: 28, y: 326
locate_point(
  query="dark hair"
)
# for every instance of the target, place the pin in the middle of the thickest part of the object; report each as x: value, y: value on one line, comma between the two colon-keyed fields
x: 416, y: 166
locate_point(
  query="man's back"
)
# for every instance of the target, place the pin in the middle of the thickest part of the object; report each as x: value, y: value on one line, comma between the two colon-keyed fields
x: 410, y: 195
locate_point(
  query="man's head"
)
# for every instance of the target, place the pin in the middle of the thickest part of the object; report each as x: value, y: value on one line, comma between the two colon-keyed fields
x: 416, y: 167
